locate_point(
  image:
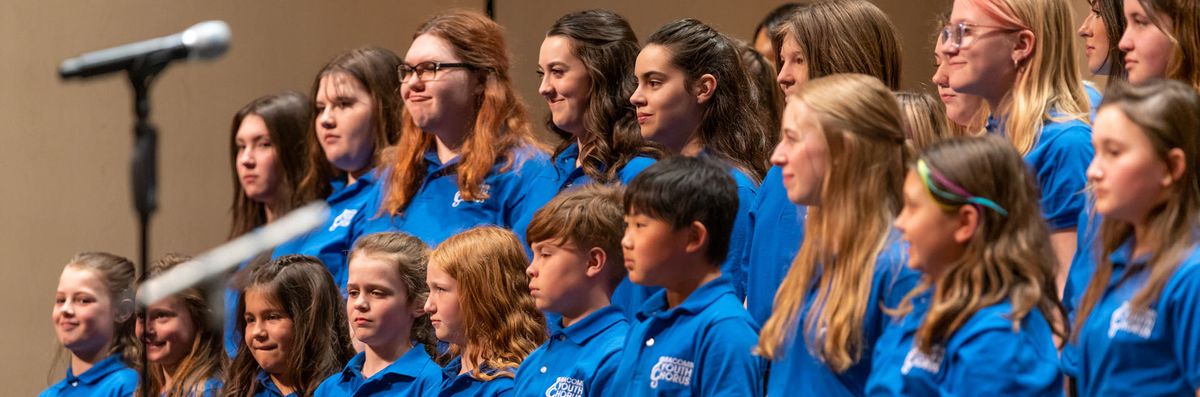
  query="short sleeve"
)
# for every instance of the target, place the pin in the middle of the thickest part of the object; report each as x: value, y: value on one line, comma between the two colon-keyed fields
x: 1183, y: 304
x: 1000, y: 362
x: 728, y: 366
x: 1061, y: 173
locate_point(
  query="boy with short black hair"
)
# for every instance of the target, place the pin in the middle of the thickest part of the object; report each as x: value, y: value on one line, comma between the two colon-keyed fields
x: 577, y: 263
x: 693, y: 338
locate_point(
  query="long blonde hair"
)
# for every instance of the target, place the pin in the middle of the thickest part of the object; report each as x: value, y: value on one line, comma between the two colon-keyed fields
x: 1009, y: 256
x: 1168, y: 113
x: 860, y: 198
x: 1047, y: 80
x: 501, y: 323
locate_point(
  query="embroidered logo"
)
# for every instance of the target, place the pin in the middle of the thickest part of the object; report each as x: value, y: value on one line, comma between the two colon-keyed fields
x: 928, y: 362
x: 458, y: 196
x: 672, y: 370
x: 343, y: 220
x: 565, y: 387
x: 1139, y: 323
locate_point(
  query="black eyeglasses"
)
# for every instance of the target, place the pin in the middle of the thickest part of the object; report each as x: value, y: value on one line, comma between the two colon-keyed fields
x: 427, y: 71
x: 956, y: 35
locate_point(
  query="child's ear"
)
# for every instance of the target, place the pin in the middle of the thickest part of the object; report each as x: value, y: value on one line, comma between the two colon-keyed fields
x: 706, y: 85
x: 597, y: 261
x: 697, y: 238
x: 968, y: 222
x: 125, y: 309
x: 1176, y: 165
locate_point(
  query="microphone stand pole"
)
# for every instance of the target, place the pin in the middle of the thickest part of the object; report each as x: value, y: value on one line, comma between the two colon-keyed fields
x: 144, y: 173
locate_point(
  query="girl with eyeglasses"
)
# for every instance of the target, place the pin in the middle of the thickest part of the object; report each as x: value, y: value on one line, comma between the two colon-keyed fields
x: 977, y: 321
x: 1018, y: 55
x: 466, y: 154
x: 842, y: 155
x: 1136, y: 325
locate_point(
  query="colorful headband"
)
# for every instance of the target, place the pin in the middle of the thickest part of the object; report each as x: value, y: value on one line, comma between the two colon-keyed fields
x: 929, y: 175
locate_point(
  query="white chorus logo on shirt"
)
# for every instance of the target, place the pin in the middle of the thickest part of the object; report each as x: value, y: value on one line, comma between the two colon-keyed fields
x: 929, y: 362
x: 343, y: 220
x: 672, y: 370
x: 458, y: 196
x: 565, y: 387
x: 1139, y: 323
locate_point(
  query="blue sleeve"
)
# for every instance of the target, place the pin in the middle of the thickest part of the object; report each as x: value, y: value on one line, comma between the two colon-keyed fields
x: 1061, y: 174
x: 527, y: 195
x: 633, y: 168
x: 728, y: 366
x: 737, y: 261
x: 328, y: 387
x: 606, y: 383
x: 1183, y: 304
x: 1000, y: 362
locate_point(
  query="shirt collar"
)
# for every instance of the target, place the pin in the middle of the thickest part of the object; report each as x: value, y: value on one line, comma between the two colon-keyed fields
x: 106, y: 366
x: 267, y: 384
x: 568, y: 156
x: 588, y: 327
x: 341, y: 189
x: 700, y: 299
x: 408, y: 365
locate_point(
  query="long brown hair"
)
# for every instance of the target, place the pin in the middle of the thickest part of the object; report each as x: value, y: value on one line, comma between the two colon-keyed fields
x: 860, y: 198
x: 1008, y: 258
x: 409, y: 256
x: 206, y: 359
x: 607, y: 46
x: 845, y: 36
x: 1184, y: 17
x: 286, y: 115
x: 303, y: 287
x: 730, y: 127
x: 1168, y: 113
x: 499, y: 122
x: 501, y: 323
x: 376, y: 69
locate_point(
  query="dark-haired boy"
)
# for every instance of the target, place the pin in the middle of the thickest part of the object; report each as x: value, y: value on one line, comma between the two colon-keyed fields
x: 693, y: 338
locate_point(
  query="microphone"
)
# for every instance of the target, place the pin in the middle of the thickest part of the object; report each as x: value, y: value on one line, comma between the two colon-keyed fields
x: 205, y: 40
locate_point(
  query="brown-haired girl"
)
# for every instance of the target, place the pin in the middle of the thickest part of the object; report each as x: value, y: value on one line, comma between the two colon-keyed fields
x: 1136, y: 326
x: 978, y: 320
x: 479, y: 304
x: 93, y: 318
x: 293, y: 328
x: 182, y: 344
x: 385, y: 295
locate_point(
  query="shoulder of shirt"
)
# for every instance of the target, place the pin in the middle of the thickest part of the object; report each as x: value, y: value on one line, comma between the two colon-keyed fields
x: 1071, y: 130
x: 991, y: 321
x: 1187, y: 275
x: 724, y: 312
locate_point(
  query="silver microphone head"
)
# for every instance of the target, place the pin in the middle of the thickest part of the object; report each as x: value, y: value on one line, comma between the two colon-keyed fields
x: 208, y: 39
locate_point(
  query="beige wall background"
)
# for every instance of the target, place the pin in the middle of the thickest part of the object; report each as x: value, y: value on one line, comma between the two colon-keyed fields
x: 67, y: 145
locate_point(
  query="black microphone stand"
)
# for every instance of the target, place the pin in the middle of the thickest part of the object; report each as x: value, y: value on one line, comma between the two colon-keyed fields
x: 144, y: 172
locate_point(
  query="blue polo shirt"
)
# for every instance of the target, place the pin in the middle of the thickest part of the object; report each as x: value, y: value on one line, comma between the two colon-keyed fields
x: 983, y: 357
x: 332, y: 241
x: 1059, y: 159
x: 1124, y: 351
x: 630, y: 296
x: 266, y: 386
x: 1082, y: 264
x: 702, y: 347
x: 438, y: 211
x: 413, y: 374
x: 798, y: 372
x: 455, y: 384
x: 579, y: 360
x: 109, y: 377
x: 777, y: 229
